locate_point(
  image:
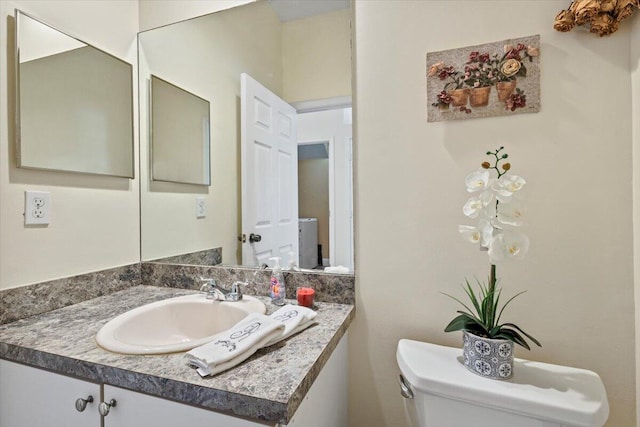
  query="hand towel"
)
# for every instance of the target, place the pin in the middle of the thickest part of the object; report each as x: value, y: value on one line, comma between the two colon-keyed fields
x: 337, y: 269
x: 295, y: 318
x: 234, y: 345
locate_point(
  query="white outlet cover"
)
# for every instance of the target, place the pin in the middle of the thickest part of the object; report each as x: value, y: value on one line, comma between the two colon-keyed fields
x: 201, y: 207
x: 37, y: 207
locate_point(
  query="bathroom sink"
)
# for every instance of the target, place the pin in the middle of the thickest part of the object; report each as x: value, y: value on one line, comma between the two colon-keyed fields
x: 175, y: 324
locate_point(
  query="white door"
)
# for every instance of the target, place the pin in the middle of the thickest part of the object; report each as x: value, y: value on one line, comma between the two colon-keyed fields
x: 269, y: 176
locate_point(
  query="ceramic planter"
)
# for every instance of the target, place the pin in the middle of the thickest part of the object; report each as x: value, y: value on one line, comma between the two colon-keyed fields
x: 489, y: 358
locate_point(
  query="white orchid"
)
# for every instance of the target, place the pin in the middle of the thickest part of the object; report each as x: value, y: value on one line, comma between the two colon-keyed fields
x: 507, y: 245
x: 475, y: 205
x: 498, y: 210
x: 478, y: 180
x: 470, y: 234
x: 506, y: 187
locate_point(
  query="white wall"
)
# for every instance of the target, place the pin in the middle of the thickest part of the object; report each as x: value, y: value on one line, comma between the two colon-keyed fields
x: 154, y: 13
x: 94, y: 219
x: 576, y: 155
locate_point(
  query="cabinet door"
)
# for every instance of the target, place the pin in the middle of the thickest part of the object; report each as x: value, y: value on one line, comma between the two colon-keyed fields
x: 136, y: 409
x: 36, y: 398
x: 327, y: 402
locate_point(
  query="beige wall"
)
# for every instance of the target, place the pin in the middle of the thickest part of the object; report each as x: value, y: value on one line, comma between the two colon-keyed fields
x: 635, y: 110
x: 94, y: 221
x: 154, y: 13
x: 575, y: 155
x: 316, y: 57
x: 313, y: 196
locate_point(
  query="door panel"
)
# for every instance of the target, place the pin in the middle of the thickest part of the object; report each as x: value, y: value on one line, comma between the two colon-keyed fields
x: 269, y: 175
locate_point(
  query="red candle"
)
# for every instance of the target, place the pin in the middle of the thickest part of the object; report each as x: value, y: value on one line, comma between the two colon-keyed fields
x: 305, y: 297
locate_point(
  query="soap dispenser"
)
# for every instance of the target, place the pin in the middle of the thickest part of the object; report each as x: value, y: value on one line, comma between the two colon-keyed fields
x: 276, y: 284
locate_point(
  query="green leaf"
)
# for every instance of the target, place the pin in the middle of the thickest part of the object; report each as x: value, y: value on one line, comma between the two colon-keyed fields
x: 522, y: 72
x: 506, y: 304
x: 526, y: 334
x: 459, y: 323
x: 472, y: 296
x: 456, y: 299
x: 471, y: 316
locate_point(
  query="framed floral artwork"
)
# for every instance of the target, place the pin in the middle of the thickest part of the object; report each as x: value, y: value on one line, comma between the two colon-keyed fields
x: 492, y: 79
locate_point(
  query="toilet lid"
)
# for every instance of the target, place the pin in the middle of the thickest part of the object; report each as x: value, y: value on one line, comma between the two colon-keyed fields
x: 568, y: 396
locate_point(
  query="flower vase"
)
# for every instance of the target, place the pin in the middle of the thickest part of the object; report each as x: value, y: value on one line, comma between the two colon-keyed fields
x: 479, y: 96
x: 443, y: 107
x: 459, y: 97
x: 487, y: 357
x: 505, y: 89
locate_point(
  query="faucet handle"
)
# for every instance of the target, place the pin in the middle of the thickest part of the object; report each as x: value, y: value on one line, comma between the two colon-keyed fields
x: 236, y: 292
x: 208, y: 286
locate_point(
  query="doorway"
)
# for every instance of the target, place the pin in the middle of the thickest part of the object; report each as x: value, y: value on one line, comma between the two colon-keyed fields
x: 325, y: 183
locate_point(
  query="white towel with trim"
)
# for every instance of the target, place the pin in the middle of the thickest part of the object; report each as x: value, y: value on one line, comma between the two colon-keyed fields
x: 234, y: 345
x: 295, y: 318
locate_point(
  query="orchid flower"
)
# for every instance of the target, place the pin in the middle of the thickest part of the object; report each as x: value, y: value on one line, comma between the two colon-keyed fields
x: 470, y: 234
x: 475, y: 205
x: 508, y: 244
x: 478, y: 180
x: 511, y: 214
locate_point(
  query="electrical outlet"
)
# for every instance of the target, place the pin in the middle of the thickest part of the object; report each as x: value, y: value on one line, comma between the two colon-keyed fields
x: 37, y: 207
x: 201, y: 207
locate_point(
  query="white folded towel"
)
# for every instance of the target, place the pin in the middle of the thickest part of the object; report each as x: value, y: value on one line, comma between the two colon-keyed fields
x: 295, y: 318
x: 337, y: 269
x: 234, y: 345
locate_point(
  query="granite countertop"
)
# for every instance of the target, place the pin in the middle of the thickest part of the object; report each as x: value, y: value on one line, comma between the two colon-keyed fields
x: 269, y: 386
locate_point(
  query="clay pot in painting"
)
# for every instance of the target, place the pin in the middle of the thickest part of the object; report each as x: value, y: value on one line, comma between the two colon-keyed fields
x: 479, y: 96
x: 459, y: 97
x: 505, y: 89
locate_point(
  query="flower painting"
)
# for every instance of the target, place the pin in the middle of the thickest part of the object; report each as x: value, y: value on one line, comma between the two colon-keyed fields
x: 501, y: 78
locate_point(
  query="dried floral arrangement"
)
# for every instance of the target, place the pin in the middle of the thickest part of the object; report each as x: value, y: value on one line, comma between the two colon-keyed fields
x: 603, y: 17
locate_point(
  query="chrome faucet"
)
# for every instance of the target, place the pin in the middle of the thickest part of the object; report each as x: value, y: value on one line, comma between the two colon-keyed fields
x: 216, y: 292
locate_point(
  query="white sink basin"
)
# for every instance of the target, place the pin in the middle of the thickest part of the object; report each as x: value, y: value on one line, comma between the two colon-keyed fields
x: 175, y: 324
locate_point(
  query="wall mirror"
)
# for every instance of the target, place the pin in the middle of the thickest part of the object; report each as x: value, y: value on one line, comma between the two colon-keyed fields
x: 75, y: 104
x: 179, y: 134
x: 301, y: 52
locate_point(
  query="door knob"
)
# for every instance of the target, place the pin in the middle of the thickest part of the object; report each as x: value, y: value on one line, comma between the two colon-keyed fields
x: 81, y: 403
x: 105, y: 407
x: 254, y: 238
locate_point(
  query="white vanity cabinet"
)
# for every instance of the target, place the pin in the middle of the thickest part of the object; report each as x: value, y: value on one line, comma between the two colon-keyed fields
x: 136, y: 409
x: 36, y: 398
x: 31, y: 397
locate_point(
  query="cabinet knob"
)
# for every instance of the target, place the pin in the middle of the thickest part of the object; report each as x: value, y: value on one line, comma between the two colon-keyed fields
x: 105, y: 407
x: 81, y: 403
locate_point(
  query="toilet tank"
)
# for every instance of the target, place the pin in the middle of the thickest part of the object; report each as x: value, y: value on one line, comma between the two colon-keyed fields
x: 445, y: 394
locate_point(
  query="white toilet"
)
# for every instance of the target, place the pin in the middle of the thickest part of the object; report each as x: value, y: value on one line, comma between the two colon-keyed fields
x: 440, y: 392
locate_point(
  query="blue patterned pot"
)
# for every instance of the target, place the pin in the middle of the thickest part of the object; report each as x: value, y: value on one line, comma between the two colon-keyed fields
x: 489, y: 358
